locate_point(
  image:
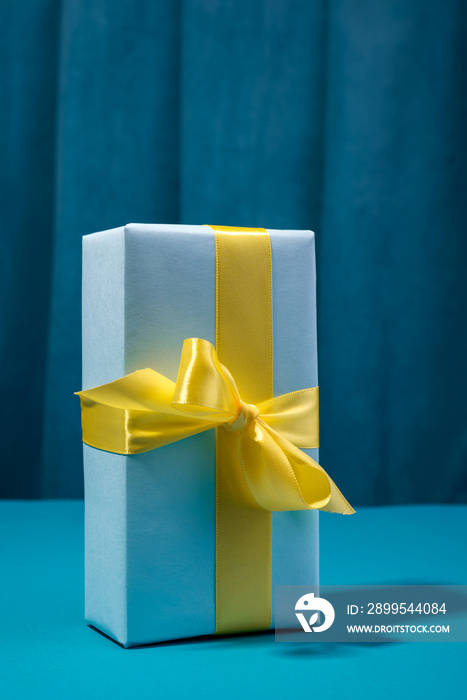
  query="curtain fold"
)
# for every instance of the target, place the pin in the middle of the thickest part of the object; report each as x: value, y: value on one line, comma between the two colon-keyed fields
x: 344, y: 117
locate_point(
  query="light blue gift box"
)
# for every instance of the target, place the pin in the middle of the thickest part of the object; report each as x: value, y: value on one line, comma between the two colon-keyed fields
x: 150, y: 518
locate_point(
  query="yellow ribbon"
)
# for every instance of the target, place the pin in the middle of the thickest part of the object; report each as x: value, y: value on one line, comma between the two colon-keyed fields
x: 244, y: 344
x: 145, y: 410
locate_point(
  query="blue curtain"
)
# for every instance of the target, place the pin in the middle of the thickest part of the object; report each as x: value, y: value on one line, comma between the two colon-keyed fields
x: 346, y: 116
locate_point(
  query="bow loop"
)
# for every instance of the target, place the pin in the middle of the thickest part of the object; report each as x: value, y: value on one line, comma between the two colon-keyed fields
x: 204, y: 388
x: 145, y: 410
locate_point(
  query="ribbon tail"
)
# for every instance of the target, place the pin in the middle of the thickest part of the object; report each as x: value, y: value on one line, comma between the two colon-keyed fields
x: 338, y: 502
x: 282, y: 477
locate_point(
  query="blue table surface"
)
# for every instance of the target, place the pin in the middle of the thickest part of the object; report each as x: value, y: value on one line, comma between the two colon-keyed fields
x: 47, y: 651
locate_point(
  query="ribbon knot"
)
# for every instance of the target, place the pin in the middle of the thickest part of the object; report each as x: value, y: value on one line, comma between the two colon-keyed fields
x: 145, y: 410
x: 247, y: 414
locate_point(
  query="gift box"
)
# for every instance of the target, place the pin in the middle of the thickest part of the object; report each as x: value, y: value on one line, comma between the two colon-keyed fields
x: 189, y: 537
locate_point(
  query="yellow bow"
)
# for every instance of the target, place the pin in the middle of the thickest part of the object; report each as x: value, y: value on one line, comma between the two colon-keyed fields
x: 145, y: 410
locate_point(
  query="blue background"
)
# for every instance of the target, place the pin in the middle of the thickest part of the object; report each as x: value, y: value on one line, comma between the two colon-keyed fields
x: 341, y: 116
